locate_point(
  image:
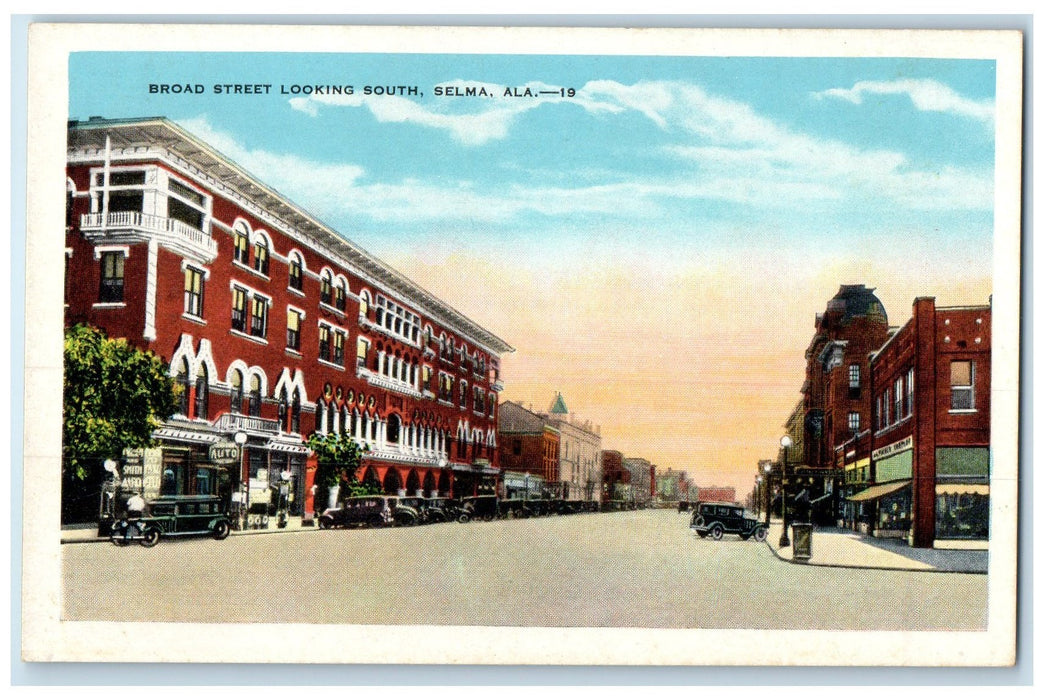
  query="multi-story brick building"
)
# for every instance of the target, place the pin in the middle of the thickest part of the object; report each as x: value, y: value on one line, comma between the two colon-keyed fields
x: 527, y: 443
x: 924, y: 472
x: 274, y: 324
x: 614, y: 477
x: 836, y: 404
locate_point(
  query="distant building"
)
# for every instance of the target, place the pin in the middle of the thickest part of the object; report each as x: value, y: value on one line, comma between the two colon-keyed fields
x: 527, y: 443
x: 580, y: 477
x: 716, y: 494
x: 614, y: 477
x: 642, y: 480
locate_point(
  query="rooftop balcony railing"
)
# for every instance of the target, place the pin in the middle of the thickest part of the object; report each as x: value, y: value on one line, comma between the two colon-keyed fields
x: 172, y: 231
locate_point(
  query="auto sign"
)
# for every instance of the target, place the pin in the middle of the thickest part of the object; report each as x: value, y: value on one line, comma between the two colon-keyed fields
x: 223, y: 453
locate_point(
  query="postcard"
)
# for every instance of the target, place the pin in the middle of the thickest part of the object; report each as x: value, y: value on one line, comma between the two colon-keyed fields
x: 445, y: 345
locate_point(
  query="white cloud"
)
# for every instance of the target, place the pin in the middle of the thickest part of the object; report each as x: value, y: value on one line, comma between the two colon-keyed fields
x: 926, y: 95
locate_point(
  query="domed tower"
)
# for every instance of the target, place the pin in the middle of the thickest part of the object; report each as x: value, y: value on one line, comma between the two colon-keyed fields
x: 837, y: 402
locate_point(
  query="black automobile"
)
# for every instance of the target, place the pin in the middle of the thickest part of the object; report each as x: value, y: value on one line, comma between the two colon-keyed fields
x: 410, y: 510
x: 373, y: 511
x: 719, y: 519
x: 441, y: 510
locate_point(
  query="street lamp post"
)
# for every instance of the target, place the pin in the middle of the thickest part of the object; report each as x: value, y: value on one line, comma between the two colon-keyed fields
x: 785, y: 442
x: 768, y: 496
x: 240, y: 438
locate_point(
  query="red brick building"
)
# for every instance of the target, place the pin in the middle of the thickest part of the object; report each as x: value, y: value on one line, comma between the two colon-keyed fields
x: 613, y: 473
x: 527, y: 443
x: 275, y: 325
x: 836, y: 403
x: 929, y: 452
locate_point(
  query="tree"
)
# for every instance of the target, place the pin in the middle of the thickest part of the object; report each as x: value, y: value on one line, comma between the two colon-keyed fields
x: 115, y: 396
x: 339, y: 457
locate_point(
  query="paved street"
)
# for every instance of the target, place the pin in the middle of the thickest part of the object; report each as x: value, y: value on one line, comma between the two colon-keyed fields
x: 629, y: 569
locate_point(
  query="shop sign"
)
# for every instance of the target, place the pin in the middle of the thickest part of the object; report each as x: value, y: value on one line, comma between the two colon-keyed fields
x: 895, y: 448
x: 223, y: 453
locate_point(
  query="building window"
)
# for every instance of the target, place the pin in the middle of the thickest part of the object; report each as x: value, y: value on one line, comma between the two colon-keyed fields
x: 284, y: 408
x: 854, y: 382
x: 341, y: 296
x: 295, y: 412
x: 392, y: 429
x: 324, y: 342
x: 258, y: 316
x: 898, y: 399
x: 194, y: 292
x: 463, y: 394
x: 241, y: 242
x: 296, y: 273
x: 239, y: 309
x: 962, y: 389
x: 202, y: 392
x: 886, y: 403
x: 362, y: 350
x: 853, y: 423
x: 254, y: 408
x: 261, y: 257
x: 185, y: 382
x: 236, y: 403
x: 326, y: 288
x: 187, y: 205
x: 364, y: 304
x: 338, y: 348
x: 909, y: 391
x: 111, y: 290
x: 293, y: 329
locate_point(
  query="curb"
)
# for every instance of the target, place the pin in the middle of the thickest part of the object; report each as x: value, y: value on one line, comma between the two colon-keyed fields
x: 870, y: 567
x: 234, y: 533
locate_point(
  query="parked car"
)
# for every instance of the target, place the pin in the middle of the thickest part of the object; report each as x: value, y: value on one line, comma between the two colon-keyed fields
x: 174, y: 516
x: 719, y: 519
x: 442, y: 510
x: 410, y: 510
x: 372, y: 511
x: 478, y: 508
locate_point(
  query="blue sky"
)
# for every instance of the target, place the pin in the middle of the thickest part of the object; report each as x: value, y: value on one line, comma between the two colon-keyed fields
x: 721, y: 201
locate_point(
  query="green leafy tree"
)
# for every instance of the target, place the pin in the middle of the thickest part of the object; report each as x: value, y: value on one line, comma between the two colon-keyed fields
x: 339, y: 457
x: 115, y: 396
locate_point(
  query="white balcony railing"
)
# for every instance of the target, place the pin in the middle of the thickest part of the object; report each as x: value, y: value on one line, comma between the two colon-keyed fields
x: 170, y: 230
x: 233, y: 422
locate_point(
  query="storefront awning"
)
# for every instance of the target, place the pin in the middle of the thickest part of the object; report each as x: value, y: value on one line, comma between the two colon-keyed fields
x: 959, y: 489
x: 185, y: 435
x: 285, y: 447
x: 878, y: 491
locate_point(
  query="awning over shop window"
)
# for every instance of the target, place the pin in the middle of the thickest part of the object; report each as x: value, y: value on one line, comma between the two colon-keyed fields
x: 878, y: 491
x: 959, y: 489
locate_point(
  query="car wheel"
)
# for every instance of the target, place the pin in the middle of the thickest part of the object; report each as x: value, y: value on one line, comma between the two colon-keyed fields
x: 325, y: 523
x: 464, y: 517
x: 221, y: 530
x: 760, y: 534
x: 151, y: 537
x: 717, y: 532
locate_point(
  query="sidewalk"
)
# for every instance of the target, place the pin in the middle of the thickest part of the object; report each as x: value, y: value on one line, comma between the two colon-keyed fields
x: 73, y: 534
x: 835, y: 547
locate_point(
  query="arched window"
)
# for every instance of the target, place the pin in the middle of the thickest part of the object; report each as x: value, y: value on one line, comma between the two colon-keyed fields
x: 284, y: 409
x: 364, y: 304
x: 344, y: 421
x: 295, y: 412
x: 330, y: 419
x: 261, y: 256
x: 254, y: 408
x: 341, y: 295
x: 236, y: 402
x: 296, y: 272
x: 241, y: 243
x: 320, y: 417
x: 326, y: 287
x: 394, y: 425
x: 185, y: 382
x: 202, y: 392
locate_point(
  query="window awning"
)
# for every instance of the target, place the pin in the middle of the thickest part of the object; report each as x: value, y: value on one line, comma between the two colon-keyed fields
x: 958, y: 489
x: 878, y: 491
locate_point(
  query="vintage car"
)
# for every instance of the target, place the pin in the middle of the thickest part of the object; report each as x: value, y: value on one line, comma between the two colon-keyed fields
x: 410, y: 510
x: 719, y: 519
x: 174, y: 516
x: 441, y: 510
x: 372, y: 511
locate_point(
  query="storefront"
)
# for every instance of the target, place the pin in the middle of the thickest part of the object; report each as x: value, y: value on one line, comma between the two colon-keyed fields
x: 522, y: 485
x: 962, y: 493
x: 887, y: 508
